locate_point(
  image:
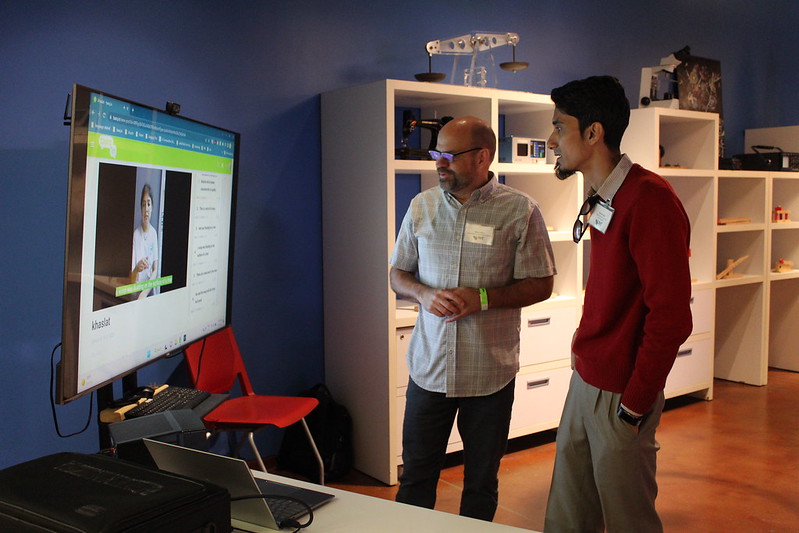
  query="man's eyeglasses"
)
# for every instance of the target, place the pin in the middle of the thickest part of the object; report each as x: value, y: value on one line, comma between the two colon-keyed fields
x: 579, y: 225
x: 436, y: 155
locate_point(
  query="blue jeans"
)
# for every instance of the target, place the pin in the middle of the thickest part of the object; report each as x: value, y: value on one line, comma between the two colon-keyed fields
x: 483, y: 423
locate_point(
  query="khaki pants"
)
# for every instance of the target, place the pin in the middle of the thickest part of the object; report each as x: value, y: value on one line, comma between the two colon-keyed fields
x: 604, y: 476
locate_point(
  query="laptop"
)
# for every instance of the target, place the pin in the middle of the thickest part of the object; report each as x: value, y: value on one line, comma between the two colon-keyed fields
x: 256, y: 514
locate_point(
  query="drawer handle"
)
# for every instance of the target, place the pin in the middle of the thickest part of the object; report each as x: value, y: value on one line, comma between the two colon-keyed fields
x: 538, y: 383
x: 692, y: 300
x: 683, y: 353
x: 535, y: 322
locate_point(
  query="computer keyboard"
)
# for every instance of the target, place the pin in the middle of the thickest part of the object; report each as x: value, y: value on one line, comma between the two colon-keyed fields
x: 283, y: 509
x: 169, y: 399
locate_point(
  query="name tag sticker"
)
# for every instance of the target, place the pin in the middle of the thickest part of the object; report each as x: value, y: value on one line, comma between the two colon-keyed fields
x: 601, y: 216
x: 479, y: 234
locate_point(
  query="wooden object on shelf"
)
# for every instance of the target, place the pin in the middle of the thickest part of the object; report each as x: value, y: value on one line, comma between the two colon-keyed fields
x: 781, y: 214
x: 734, y: 220
x: 783, y: 266
x: 728, y: 273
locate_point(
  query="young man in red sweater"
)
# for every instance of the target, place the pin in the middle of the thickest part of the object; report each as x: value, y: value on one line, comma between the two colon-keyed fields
x: 636, y: 315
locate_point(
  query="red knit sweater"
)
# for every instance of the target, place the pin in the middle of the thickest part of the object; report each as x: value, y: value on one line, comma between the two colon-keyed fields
x: 637, y: 300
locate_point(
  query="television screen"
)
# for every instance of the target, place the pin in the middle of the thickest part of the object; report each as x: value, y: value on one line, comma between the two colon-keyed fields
x: 149, y: 240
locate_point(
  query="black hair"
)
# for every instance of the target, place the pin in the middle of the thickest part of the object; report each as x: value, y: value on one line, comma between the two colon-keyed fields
x: 146, y: 189
x: 596, y: 99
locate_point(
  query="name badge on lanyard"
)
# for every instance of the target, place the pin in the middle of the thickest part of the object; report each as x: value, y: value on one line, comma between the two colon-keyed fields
x: 601, y: 216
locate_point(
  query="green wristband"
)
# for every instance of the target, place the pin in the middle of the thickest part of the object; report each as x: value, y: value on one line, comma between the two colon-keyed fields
x: 483, y: 299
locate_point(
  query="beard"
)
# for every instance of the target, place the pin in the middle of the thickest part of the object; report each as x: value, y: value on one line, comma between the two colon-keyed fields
x: 563, y: 173
x: 451, y: 183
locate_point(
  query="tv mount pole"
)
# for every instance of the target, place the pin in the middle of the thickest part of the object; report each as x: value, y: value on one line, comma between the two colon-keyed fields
x: 105, y: 399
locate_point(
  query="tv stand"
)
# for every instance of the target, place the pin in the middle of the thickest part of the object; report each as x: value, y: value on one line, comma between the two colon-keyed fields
x: 115, y: 413
x: 105, y: 399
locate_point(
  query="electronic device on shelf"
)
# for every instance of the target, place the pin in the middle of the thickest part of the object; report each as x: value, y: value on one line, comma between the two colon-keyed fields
x: 771, y: 158
x: 129, y: 162
x: 513, y: 149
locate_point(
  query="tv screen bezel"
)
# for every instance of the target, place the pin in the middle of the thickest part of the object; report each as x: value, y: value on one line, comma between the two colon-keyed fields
x: 67, y: 369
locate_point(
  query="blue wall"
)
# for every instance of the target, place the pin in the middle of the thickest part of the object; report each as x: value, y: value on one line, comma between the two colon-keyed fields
x: 258, y: 68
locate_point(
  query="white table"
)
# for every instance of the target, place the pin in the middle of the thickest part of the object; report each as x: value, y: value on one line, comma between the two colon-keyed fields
x: 357, y: 513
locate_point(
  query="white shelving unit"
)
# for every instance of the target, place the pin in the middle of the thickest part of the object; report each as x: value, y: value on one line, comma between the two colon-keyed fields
x: 755, y: 309
x: 367, y: 330
x: 782, y: 242
x: 741, y: 302
x: 783, y: 288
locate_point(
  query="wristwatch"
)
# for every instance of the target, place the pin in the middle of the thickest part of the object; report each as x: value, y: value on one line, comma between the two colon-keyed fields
x: 628, y: 417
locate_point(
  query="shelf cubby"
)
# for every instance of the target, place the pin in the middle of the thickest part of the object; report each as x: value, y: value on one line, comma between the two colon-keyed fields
x: 741, y: 197
x: 689, y: 139
x: 697, y: 195
x: 785, y: 193
x: 557, y: 199
x: 566, y: 260
x: 737, y: 245
x: 785, y: 245
x: 784, y: 308
x: 739, y: 339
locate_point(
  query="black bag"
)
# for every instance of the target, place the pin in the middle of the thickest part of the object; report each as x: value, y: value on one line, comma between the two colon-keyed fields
x: 331, y: 427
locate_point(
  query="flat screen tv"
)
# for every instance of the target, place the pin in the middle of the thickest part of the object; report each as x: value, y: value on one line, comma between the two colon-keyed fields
x: 149, y: 238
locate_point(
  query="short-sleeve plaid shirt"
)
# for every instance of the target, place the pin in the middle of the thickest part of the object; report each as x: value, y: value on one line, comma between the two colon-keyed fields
x: 496, y: 237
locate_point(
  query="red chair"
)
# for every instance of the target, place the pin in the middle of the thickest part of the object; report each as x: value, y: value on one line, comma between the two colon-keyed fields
x: 215, y: 364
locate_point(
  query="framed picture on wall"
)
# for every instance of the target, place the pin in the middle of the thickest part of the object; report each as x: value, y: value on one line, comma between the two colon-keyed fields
x: 699, y: 87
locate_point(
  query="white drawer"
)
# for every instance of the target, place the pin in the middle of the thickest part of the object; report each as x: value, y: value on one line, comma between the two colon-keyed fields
x: 403, y: 340
x: 546, y: 335
x: 539, y: 399
x: 693, y: 369
x: 703, y: 312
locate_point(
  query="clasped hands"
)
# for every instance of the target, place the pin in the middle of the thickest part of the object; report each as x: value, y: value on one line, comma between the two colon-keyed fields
x: 453, y: 304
